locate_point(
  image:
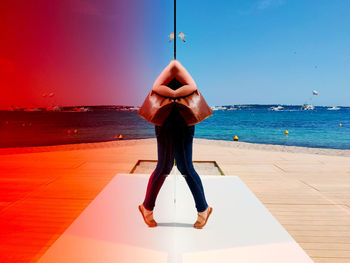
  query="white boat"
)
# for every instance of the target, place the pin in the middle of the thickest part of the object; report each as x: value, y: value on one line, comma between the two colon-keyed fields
x: 218, y: 108
x: 123, y: 109
x: 80, y: 109
x: 307, y: 107
x: 84, y: 109
x: 276, y: 108
x: 334, y: 108
x: 134, y: 108
x: 56, y: 108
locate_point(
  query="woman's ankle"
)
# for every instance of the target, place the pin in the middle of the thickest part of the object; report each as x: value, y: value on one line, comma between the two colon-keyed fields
x: 145, y: 208
x: 205, y: 211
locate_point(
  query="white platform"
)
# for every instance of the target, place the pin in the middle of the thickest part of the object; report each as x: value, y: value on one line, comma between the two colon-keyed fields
x: 111, y: 229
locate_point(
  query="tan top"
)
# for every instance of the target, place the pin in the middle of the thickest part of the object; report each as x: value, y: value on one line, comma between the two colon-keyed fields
x: 186, y: 98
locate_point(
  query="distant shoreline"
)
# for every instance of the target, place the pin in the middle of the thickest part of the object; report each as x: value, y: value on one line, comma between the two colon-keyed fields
x: 83, y: 108
x: 319, y: 128
x: 131, y: 142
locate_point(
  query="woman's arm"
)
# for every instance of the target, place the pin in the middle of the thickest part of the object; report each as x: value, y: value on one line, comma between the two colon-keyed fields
x: 181, y: 74
x: 180, y: 92
x: 174, y: 70
x: 165, y: 77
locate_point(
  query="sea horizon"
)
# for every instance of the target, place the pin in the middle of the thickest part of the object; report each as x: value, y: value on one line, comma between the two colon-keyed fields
x: 253, y: 123
x: 122, y: 106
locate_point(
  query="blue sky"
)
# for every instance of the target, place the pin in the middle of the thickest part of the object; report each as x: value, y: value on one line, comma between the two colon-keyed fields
x: 106, y: 52
x: 257, y: 51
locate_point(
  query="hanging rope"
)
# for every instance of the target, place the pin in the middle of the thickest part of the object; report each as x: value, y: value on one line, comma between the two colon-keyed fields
x: 175, y: 29
x: 175, y: 59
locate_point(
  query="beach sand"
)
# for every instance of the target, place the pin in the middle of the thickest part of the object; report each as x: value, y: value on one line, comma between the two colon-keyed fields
x: 43, y: 189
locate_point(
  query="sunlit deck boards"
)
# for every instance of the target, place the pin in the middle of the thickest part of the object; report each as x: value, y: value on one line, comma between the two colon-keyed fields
x: 44, y: 189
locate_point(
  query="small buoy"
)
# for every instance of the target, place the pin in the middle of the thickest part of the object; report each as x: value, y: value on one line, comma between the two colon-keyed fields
x: 69, y: 131
x: 340, y: 124
x: 116, y: 137
x: 286, y: 132
x: 120, y: 137
x: 23, y: 124
x: 75, y: 131
x: 235, y: 138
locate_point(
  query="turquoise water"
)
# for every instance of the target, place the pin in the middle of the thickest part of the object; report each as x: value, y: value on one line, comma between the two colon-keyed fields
x: 318, y: 128
x: 251, y: 123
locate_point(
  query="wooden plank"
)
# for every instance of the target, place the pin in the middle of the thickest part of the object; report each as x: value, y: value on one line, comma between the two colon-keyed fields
x: 297, y: 183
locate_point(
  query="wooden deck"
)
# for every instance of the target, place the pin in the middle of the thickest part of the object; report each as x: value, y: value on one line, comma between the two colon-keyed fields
x: 232, y: 233
x: 44, y: 189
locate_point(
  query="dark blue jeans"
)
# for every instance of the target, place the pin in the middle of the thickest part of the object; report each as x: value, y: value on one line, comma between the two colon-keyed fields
x: 175, y: 141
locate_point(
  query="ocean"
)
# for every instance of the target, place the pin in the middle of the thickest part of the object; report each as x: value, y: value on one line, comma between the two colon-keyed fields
x: 319, y: 128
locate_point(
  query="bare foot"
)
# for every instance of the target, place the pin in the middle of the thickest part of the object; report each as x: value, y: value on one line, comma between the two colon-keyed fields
x: 203, y: 218
x: 147, y: 216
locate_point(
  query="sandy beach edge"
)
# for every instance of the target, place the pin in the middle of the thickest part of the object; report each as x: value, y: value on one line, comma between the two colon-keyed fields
x: 223, y: 143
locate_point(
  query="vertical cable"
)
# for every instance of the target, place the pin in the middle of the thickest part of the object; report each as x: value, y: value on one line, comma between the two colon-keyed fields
x: 175, y: 59
x: 174, y: 29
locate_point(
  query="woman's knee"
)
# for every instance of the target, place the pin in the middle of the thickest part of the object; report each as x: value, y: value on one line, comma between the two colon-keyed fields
x: 164, y: 168
x: 185, y: 169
